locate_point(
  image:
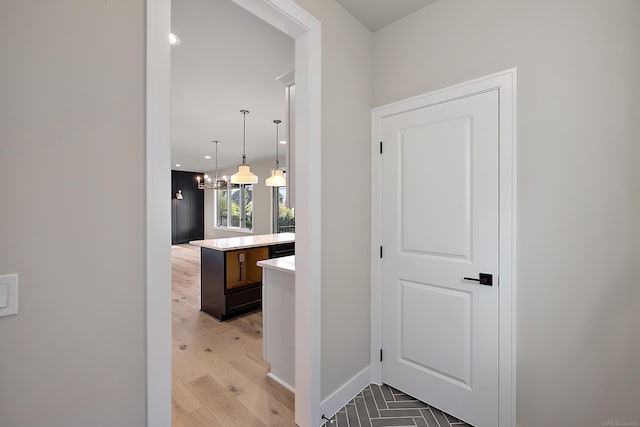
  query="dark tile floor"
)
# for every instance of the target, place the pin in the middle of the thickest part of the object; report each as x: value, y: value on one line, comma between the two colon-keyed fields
x: 378, y: 406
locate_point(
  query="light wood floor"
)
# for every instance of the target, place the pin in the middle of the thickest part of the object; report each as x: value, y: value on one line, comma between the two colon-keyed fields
x: 219, y: 376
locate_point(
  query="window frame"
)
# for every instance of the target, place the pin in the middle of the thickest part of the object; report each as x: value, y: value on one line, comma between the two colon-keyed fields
x: 227, y: 186
x: 275, y: 210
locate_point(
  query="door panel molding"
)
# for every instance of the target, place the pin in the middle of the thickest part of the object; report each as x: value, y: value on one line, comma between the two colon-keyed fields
x: 452, y: 361
x: 416, y: 158
x: 505, y: 82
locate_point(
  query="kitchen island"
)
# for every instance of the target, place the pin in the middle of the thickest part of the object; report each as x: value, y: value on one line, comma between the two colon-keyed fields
x: 278, y: 318
x: 231, y: 280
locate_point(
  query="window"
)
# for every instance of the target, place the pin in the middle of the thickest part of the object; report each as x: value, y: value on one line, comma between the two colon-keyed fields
x: 234, y: 206
x: 283, y: 216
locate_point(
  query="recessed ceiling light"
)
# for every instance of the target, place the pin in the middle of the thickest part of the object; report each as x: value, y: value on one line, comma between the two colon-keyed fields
x: 173, y: 39
x: 178, y: 165
x: 283, y: 142
x: 207, y: 157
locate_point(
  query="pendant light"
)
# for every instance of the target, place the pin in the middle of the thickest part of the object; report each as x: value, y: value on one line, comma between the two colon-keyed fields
x: 244, y: 175
x: 277, y: 178
x: 207, y: 184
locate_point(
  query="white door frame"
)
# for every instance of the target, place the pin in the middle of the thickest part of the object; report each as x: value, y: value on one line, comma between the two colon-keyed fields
x: 505, y: 83
x: 290, y: 18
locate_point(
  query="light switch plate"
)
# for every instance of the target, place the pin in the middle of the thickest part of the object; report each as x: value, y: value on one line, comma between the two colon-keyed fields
x: 8, y: 295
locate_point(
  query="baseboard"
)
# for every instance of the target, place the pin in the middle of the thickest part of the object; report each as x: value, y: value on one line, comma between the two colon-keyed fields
x: 344, y: 394
x: 281, y: 382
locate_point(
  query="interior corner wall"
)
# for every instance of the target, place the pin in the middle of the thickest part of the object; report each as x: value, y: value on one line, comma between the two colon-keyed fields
x: 73, y: 109
x: 577, y: 309
x: 346, y: 204
x: 261, y: 203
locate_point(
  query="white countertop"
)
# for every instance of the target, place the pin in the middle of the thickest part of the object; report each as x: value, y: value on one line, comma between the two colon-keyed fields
x: 286, y: 264
x: 232, y: 243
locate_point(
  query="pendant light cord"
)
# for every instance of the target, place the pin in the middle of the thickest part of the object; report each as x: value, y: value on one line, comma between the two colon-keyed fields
x: 277, y: 122
x: 216, y: 183
x: 277, y: 144
x: 244, y: 136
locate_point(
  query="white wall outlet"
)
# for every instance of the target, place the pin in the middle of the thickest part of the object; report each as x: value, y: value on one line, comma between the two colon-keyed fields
x: 8, y: 295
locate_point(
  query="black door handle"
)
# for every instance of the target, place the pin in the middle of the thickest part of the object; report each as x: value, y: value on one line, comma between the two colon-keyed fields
x: 484, y: 279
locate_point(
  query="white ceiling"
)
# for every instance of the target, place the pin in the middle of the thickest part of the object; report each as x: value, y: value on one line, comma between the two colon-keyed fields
x: 227, y: 60
x: 375, y: 14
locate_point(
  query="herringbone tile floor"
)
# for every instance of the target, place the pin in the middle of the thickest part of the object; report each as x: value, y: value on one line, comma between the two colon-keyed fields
x: 378, y: 406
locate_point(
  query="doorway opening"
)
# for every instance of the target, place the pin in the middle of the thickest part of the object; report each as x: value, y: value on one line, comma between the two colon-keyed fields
x: 286, y: 16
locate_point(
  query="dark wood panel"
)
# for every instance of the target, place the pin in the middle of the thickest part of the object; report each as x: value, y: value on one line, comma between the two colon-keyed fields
x: 249, y: 299
x: 187, y: 215
x: 197, y: 210
x: 212, y: 280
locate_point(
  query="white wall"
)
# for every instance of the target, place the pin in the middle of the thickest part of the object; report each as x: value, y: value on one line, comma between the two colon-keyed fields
x: 261, y: 203
x: 346, y: 216
x: 577, y: 182
x: 72, y: 214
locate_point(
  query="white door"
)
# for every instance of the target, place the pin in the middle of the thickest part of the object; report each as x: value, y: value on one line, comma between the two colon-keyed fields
x: 440, y: 226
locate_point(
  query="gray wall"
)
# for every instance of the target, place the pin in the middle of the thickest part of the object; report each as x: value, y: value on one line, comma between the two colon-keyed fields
x: 72, y: 108
x: 346, y: 211
x: 72, y: 212
x: 577, y: 310
x: 634, y: 190
x: 261, y: 203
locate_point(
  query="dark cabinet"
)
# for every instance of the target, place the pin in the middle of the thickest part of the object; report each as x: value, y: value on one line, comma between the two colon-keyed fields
x: 231, y: 282
x: 278, y: 251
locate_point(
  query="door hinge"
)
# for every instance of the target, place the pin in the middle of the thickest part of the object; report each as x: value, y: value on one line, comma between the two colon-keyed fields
x: 380, y: 251
x: 380, y: 147
x: 381, y: 355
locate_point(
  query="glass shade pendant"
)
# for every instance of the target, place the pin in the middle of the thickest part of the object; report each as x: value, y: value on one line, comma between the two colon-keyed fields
x: 244, y: 175
x: 277, y: 178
